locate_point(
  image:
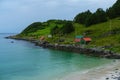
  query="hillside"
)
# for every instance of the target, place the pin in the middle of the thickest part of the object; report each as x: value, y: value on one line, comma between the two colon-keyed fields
x: 103, y: 34
x: 102, y: 26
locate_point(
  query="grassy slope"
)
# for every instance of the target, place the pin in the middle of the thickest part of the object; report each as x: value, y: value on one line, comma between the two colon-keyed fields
x: 100, y: 33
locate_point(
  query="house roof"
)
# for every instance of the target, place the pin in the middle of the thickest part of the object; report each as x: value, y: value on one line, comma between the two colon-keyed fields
x: 79, y: 36
x: 77, y: 40
x: 42, y: 38
x: 87, y: 39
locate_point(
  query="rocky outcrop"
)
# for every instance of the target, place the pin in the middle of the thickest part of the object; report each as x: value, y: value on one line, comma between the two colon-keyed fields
x: 81, y: 50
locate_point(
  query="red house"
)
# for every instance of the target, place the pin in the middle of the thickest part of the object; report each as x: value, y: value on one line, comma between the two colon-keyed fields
x: 87, y: 39
x: 82, y: 40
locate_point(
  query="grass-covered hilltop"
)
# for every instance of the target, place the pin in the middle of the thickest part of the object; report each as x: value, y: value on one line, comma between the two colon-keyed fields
x: 103, y: 27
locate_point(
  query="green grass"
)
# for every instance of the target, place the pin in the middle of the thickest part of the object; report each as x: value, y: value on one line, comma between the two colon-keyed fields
x: 42, y: 32
x: 98, y: 33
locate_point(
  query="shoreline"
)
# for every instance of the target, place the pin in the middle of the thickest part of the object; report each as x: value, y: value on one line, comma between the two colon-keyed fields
x: 107, y: 72
x: 72, y: 48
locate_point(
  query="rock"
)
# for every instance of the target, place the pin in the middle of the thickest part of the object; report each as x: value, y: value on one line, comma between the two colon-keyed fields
x: 12, y: 41
x: 118, y: 78
x: 107, y: 78
x: 114, y: 60
x: 116, y: 69
x: 116, y: 72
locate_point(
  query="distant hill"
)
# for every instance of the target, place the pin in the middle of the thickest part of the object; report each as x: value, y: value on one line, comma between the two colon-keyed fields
x: 104, y: 32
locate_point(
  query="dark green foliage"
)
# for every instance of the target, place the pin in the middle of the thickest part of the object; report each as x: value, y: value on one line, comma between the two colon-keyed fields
x: 100, y: 15
x: 33, y: 27
x: 87, y: 18
x: 97, y: 17
x: 82, y: 17
x: 116, y: 8
x: 91, y: 20
x: 67, y: 28
x: 114, y: 11
x: 54, y: 30
x: 110, y: 13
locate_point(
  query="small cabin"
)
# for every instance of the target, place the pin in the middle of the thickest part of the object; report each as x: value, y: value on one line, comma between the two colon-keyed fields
x: 49, y: 36
x: 42, y: 38
x: 86, y: 40
x: 82, y: 40
x: 78, y: 38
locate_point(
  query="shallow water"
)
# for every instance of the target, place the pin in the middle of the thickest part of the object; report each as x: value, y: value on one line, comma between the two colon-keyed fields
x: 22, y: 60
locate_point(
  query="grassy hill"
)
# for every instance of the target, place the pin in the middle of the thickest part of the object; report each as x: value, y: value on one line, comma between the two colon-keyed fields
x: 104, y: 29
x: 103, y: 34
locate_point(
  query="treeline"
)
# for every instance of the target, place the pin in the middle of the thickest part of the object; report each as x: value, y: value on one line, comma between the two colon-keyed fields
x: 88, y: 18
x: 114, y: 11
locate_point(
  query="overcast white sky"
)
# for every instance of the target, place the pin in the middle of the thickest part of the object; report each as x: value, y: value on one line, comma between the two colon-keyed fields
x: 15, y: 15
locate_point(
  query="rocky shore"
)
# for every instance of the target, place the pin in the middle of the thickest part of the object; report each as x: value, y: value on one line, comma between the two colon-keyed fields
x: 115, y: 75
x: 73, y: 48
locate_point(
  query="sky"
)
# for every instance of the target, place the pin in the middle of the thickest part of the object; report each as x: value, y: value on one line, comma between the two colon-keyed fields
x: 16, y: 15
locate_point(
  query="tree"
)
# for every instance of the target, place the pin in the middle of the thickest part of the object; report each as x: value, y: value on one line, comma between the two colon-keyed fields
x: 54, y: 30
x: 110, y: 13
x: 82, y: 17
x: 67, y: 28
x: 114, y: 11
x: 116, y: 8
x: 100, y: 15
x: 97, y: 17
x: 90, y: 20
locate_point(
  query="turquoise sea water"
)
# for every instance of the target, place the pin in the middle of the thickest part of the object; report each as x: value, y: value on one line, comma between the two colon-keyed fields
x: 22, y: 60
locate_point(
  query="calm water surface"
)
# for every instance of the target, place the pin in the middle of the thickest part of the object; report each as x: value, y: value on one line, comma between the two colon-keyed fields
x: 22, y: 60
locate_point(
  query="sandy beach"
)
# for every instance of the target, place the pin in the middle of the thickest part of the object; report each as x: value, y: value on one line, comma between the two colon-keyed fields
x: 108, y: 72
